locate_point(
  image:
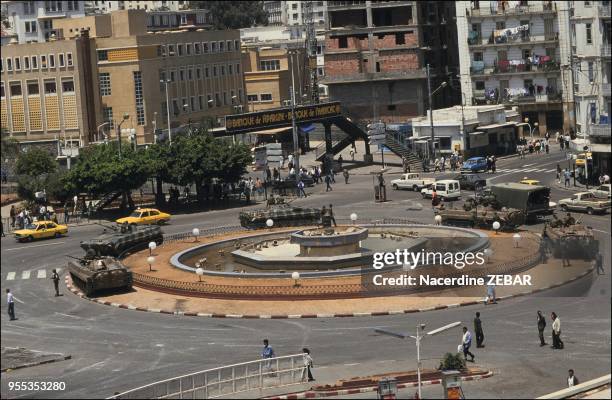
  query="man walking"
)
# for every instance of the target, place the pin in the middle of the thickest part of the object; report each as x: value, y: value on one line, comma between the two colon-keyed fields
x: 13, y: 213
x: 345, y: 173
x: 567, y: 175
x: 308, y: 363
x: 466, y: 342
x: 572, y: 380
x: 331, y: 215
x: 541, y: 327
x: 478, y: 330
x: 10, y: 301
x: 301, y: 191
x: 328, y: 183
x: 599, y: 264
x: 556, y: 332
x: 55, y: 277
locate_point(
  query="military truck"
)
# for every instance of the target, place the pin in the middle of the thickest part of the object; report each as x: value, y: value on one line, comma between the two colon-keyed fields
x: 92, y: 274
x: 482, y: 211
x: 117, y: 239
x: 281, y: 215
x: 532, y: 200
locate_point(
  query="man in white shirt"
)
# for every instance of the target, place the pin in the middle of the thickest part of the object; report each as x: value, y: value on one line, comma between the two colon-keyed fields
x: 556, y: 332
x: 466, y: 342
x: 10, y: 301
x: 572, y: 380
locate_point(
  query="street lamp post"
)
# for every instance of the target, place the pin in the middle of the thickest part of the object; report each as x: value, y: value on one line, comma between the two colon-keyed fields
x: 166, y: 81
x: 535, y: 125
x: 431, y: 124
x: 101, y: 133
x: 419, y: 336
x: 296, y: 146
x: 126, y: 116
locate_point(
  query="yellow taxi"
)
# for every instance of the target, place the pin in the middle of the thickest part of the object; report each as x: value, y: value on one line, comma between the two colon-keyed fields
x: 145, y: 216
x: 581, y: 158
x: 40, y: 230
x: 527, y: 181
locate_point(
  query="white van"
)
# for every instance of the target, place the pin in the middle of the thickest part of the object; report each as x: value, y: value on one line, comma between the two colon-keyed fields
x: 448, y: 189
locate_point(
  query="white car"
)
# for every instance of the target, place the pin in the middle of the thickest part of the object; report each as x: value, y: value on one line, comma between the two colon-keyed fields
x: 603, y: 191
x: 448, y: 189
x: 585, y: 201
x: 411, y: 181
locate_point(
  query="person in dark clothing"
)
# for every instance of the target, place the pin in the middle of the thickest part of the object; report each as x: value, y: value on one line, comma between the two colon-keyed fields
x: 331, y: 215
x: 55, y: 277
x: 328, y: 183
x: 599, y: 264
x: 478, y: 330
x: 346, y: 176
x: 541, y: 327
x: 340, y: 161
x: 268, y: 174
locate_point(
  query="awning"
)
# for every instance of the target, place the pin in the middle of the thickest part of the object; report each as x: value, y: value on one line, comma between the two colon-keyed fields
x: 476, y: 133
x: 272, y: 131
x: 493, y: 126
x: 307, y: 127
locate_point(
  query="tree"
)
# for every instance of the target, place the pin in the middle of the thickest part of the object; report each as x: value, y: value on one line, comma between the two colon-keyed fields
x: 35, y: 162
x: 235, y: 14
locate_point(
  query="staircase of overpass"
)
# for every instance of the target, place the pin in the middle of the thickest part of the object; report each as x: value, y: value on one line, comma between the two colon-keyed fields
x: 351, y: 132
x: 395, y: 143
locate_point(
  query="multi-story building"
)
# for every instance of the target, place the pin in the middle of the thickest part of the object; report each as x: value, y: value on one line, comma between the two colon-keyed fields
x: 109, y: 6
x: 291, y: 13
x: 376, y: 53
x: 163, y: 20
x: 32, y: 21
x: 511, y: 53
x: 125, y: 72
x: 590, y: 28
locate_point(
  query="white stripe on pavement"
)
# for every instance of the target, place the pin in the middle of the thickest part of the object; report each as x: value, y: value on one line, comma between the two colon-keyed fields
x: 10, y: 276
x: 34, y: 245
x: 42, y: 274
x: 25, y: 275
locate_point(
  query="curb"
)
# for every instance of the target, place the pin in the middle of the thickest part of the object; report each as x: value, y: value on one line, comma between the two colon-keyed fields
x: 310, y: 394
x: 36, y: 363
x: 77, y: 292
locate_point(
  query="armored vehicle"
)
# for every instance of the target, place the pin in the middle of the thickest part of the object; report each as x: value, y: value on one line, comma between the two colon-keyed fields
x: 92, y: 274
x: 568, y: 239
x: 532, y: 200
x: 482, y: 211
x: 281, y: 215
x: 116, y: 240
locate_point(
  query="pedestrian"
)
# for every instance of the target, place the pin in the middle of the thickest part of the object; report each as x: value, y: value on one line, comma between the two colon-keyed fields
x: 267, y: 353
x: 478, y: 331
x: 491, y: 299
x: 55, y: 277
x: 466, y: 342
x: 328, y: 183
x: 404, y: 164
x: 352, y: 153
x: 437, y: 165
x: 331, y: 215
x: 572, y: 380
x: 308, y: 363
x: 541, y: 327
x: 13, y: 213
x: 567, y: 176
x: 559, y: 170
x: 2, y: 229
x: 556, y: 332
x: 346, y: 175
x: 493, y: 164
x: 488, y: 164
x: 10, y: 301
x: 340, y: 161
x: 268, y: 173
x: 66, y: 213
x: 301, y: 191
x: 599, y: 264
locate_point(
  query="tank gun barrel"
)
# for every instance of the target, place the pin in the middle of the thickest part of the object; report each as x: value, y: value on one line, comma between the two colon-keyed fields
x: 114, y: 228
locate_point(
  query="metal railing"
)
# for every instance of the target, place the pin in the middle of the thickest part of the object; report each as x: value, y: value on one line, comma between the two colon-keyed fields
x: 600, y: 130
x: 224, y: 381
x: 605, y: 50
x: 518, y: 10
x: 605, y: 89
x: 604, y: 10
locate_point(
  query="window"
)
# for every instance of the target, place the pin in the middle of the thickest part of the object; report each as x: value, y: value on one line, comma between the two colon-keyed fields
x: 15, y: 88
x: 51, y: 60
x: 217, y: 100
x: 593, y: 112
x: 34, y: 61
x: 139, y: 99
x: 232, y: 95
x: 209, y: 101
x: 185, y: 106
x: 188, y: 48
x: 343, y: 42
x: 198, y: 73
x: 9, y: 64
x: 222, y: 70
x: 1, y: 64
x: 230, y: 69
x: 182, y: 74
x: 26, y: 63
x: 180, y: 49
x: 33, y: 88
x: 499, y: 25
x: 197, y: 49
x: 229, y: 45
x: 192, y: 103
x: 252, y: 97
x: 68, y: 86
x: 172, y: 76
x: 269, y: 65
x: 200, y: 102
x: 477, y: 56
x: 206, y: 72
x: 2, y: 94
x: 399, y: 39
x: 224, y: 98
x: 105, y: 84
x: 205, y: 47
x: 214, y: 70
x: 526, y: 54
x: 240, y: 95
x: 480, y: 85
x: 28, y: 7
x: 50, y: 87
x: 107, y: 116
x: 237, y: 45
x: 61, y: 60
x: 17, y: 64
x: 213, y: 47
x: 589, y: 34
x: 30, y: 26
x: 590, y: 71
x: 294, y: 6
x: 237, y: 68
x: 527, y: 83
x: 266, y: 97
x: 190, y: 74
x: 69, y: 59
x: 171, y: 51
x: 221, y: 46
x: 102, y: 55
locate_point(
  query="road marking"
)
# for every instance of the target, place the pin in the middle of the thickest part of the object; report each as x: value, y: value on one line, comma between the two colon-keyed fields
x: 42, y: 274
x: 527, y: 165
x: 551, y: 170
x: 10, y: 276
x: 25, y: 275
x: 596, y: 230
x: 350, y: 365
x: 34, y: 245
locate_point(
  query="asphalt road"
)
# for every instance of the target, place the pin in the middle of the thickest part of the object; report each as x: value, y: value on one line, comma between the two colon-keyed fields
x: 115, y: 349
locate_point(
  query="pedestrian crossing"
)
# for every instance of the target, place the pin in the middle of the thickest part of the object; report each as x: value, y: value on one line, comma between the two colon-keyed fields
x: 36, y: 274
x: 526, y: 170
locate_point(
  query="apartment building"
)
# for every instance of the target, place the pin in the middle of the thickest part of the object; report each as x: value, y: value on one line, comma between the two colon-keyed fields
x: 291, y: 13
x: 32, y: 21
x: 114, y: 5
x: 511, y: 53
x: 376, y: 53
x: 128, y: 73
x: 590, y: 27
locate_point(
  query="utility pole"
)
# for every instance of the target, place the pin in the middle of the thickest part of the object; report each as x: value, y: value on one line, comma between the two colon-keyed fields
x: 431, y: 125
x: 296, y: 146
x: 165, y: 81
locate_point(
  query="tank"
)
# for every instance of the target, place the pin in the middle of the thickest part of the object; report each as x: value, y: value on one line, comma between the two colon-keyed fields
x: 94, y: 274
x: 573, y: 241
x: 282, y: 215
x: 482, y: 211
x: 116, y: 240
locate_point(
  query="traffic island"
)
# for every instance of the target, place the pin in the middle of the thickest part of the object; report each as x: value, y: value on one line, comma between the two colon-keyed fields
x: 20, y: 357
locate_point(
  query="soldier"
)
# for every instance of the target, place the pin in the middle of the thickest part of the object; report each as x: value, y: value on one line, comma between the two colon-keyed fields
x: 556, y: 222
x: 55, y: 277
x: 569, y: 220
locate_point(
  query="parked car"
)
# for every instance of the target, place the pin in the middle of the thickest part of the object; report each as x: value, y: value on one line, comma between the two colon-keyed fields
x: 471, y: 181
x: 582, y: 157
x: 603, y: 191
x: 527, y: 181
x: 448, y: 189
x: 475, y: 164
x: 40, y: 230
x: 411, y: 181
x: 585, y: 201
x: 145, y: 216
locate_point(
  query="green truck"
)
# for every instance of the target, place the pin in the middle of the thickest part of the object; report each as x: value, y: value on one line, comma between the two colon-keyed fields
x: 532, y: 200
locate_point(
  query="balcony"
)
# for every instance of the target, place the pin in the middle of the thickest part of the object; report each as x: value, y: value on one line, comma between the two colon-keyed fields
x: 605, y: 89
x: 604, y: 10
x: 605, y: 50
x: 600, y: 130
x: 513, y: 67
x: 476, y: 40
x: 541, y: 8
x: 515, y: 96
x: 373, y: 76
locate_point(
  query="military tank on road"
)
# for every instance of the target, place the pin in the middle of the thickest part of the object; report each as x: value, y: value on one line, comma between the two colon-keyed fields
x: 281, y: 213
x: 568, y: 238
x: 116, y: 240
x: 482, y: 212
x: 92, y: 274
